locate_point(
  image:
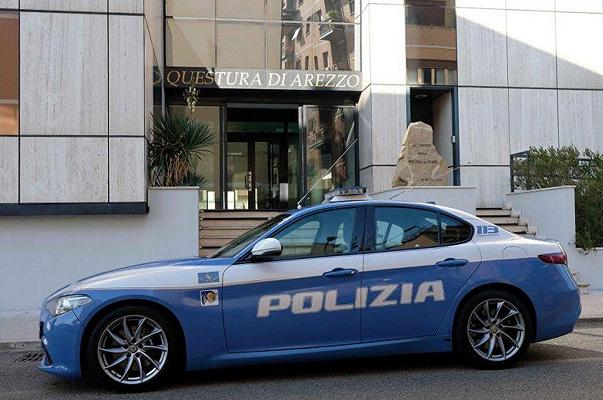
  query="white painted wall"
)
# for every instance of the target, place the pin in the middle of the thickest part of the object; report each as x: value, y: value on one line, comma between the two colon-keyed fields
x: 43, y: 253
x: 463, y: 198
x: 551, y: 214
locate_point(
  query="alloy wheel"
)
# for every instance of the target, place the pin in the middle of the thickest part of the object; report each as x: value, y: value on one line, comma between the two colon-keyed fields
x: 132, y: 349
x: 496, y: 330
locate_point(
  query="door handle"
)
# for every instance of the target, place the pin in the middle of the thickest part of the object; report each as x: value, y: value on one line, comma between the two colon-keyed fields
x: 340, y: 272
x: 452, y: 262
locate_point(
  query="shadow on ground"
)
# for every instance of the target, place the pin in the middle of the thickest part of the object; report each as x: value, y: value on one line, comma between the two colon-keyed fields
x: 358, y: 368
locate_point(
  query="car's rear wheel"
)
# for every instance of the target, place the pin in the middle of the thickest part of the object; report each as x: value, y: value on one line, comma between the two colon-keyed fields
x: 132, y: 348
x: 493, y: 329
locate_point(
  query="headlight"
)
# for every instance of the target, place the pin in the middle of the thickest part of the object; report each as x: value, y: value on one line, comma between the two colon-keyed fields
x: 63, y: 304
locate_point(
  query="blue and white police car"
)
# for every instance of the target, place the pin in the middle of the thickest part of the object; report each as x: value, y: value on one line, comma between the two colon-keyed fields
x: 345, y: 278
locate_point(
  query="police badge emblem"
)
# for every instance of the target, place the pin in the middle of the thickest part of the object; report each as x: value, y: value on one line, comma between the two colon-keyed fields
x: 209, y: 298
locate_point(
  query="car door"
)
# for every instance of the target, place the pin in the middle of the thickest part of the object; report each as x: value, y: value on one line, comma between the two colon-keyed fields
x: 303, y: 297
x: 416, y: 262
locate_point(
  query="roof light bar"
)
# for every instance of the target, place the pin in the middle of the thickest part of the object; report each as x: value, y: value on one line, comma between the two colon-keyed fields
x: 346, y: 194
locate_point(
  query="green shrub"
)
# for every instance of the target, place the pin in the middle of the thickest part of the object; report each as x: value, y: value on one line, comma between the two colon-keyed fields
x: 550, y: 167
x: 178, y: 143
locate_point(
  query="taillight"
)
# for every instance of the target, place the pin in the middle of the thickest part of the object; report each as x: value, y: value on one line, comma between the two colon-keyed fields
x: 554, y: 258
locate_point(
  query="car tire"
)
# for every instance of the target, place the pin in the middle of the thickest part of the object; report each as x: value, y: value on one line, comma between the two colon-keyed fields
x: 493, y: 329
x: 115, y: 357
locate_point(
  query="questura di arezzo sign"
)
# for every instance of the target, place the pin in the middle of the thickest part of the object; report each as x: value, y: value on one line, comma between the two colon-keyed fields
x: 262, y: 79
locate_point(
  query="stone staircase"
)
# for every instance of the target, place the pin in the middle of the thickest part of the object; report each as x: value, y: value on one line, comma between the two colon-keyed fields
x: 217, y: 228
x: 505, y: 218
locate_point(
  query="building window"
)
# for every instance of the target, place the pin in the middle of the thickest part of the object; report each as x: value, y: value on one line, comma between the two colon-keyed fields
x: 316, y: 67
x: 240, y: 45
x: 325, y: 60
x: 183, y: 46
x: 269, y: 34
x: 9, y: 73
x: 431, y: 42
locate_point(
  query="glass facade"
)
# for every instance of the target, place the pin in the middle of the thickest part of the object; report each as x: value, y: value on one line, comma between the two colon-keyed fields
x: 431, y: 42
x: 265, y: 156
x: 330, y: 131
x: 9, y: 73
x: 263, y: 34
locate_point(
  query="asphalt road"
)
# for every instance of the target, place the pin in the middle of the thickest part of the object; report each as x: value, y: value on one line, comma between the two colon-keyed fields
x: 570, y: 367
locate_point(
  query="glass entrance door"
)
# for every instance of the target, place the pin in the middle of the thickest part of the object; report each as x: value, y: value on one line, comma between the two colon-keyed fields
x: 262, y: 160
x: 254, y: 174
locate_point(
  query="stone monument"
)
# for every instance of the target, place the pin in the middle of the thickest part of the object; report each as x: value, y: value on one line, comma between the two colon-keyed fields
x: 419, y: 163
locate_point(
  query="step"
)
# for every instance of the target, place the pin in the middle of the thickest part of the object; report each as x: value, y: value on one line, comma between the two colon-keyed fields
x: 221, y: 233
x: 238, y: 214
x: 517, y: 228
x: 503, y: 220
x: 211, y: 242
x: 493, y: 212
x: 207, y: 252
x: 230, y: 223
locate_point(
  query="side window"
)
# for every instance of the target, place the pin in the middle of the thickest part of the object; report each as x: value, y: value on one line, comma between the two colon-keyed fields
x: 454, y: 231
x: 326, y: 233
x: 398, y: 228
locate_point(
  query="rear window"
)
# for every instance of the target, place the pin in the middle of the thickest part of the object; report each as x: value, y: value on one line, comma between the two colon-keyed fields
x: 454, y: 231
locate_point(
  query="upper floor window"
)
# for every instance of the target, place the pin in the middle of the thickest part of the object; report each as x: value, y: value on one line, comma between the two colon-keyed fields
x: 431, y: 42
x: 263, y: 34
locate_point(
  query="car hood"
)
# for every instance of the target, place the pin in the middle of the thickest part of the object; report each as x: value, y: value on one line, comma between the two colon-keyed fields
x: 167, y: 274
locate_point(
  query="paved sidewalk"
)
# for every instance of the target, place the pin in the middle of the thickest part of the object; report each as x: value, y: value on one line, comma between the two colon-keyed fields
x: 17, y: 329
x: 592, y: 305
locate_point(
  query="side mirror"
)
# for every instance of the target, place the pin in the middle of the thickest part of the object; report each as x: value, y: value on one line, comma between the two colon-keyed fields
x: 267, y: 247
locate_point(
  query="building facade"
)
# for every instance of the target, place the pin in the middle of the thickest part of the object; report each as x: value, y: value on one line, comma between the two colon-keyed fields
x: 76, y: 97
x: 289, y: 88
x: 301, y: 96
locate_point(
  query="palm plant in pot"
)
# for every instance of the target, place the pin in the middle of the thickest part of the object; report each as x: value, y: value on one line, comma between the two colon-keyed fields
x: 178, y: 144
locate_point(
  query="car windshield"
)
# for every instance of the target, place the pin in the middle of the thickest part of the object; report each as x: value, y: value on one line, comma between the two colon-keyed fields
x: 238, y: 244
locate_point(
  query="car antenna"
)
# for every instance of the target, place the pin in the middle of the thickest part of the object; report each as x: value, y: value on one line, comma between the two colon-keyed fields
x: 299, y: 206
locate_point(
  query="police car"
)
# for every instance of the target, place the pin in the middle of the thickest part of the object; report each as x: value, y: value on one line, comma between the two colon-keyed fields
x: 352, y: 277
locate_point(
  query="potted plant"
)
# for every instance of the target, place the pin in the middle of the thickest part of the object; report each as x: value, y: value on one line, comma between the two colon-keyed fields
x: 178, y: 143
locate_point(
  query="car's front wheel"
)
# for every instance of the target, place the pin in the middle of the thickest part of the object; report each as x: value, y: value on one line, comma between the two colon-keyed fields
x: 493, y: 329
x: 132, y: 348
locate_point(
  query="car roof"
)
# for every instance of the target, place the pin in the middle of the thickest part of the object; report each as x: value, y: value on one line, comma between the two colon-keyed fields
x: 370, y: 202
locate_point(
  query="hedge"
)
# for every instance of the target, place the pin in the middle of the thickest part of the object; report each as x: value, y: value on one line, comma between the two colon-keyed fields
x: 550, y: 167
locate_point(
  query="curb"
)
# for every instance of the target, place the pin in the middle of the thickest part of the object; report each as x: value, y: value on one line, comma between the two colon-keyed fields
x: 20, y: 346
x: 589, y: 320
